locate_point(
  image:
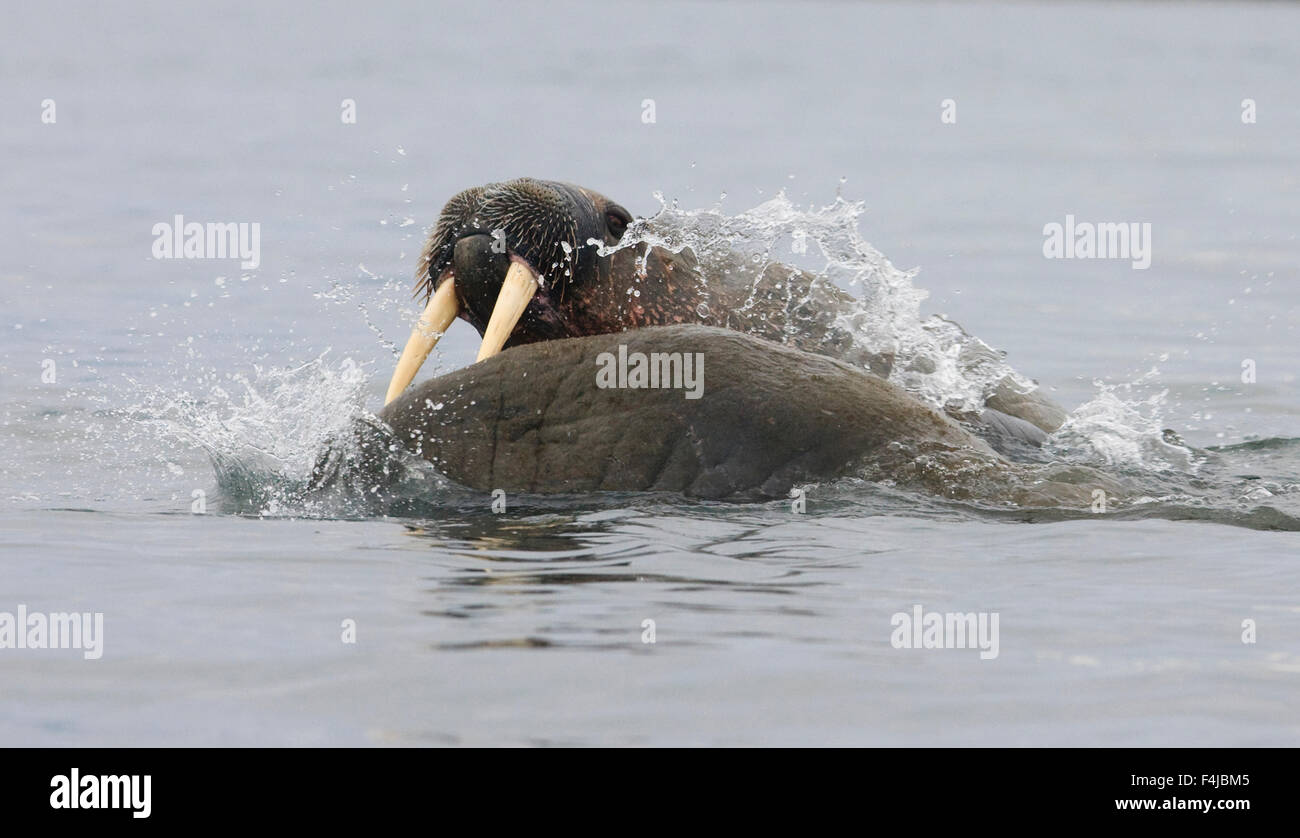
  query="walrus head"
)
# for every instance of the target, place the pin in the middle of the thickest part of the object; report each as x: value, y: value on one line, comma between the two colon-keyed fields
x: 518, y: 261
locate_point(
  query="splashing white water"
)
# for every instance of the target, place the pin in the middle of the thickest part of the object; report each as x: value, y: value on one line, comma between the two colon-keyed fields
x: 1120, y: 427
x: 935, y: 359
x: 267, y: 434
x: 278, y: 418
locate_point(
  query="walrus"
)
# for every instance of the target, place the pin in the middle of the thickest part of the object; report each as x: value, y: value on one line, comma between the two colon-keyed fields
x: 521, y: 262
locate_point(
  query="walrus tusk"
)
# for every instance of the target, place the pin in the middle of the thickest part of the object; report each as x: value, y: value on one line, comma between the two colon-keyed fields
x: 517, y: 289
x: 437, y: 316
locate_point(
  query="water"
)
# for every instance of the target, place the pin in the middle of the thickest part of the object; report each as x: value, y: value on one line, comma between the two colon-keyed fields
x: 180, y: 377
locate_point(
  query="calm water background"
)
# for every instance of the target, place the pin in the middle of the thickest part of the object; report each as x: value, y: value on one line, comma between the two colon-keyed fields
x: 527, y: 627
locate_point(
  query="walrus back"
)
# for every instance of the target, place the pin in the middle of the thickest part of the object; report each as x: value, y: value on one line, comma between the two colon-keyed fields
x: 537, y: 419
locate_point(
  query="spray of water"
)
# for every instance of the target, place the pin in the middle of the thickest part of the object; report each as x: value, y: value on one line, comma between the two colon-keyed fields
x: 293, y: 441
x: 934, y: 358
x: 1122, y: 427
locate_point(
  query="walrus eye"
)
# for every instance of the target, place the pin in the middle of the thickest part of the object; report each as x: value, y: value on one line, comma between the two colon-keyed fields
x: 617, y: 219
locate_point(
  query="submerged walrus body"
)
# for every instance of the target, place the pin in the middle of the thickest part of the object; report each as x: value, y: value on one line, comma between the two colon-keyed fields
x: 536, y: 419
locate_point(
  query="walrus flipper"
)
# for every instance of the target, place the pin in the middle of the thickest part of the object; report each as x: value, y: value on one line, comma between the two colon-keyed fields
x: 1009, y: 435
x: 1032, y: 406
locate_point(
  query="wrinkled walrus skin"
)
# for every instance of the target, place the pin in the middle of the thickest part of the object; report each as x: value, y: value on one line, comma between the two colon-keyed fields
x: 533, y: 419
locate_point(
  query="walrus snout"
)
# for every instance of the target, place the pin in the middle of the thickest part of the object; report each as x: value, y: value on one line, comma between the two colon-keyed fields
x: 480, y: 269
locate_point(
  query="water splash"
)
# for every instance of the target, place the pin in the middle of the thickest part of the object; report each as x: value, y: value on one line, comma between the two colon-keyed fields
x: 934, y: 358
x: 1122, y: 427
x: 293, y: 442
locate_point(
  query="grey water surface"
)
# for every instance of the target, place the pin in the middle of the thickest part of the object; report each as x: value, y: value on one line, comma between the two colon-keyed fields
x: 224, y: 612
